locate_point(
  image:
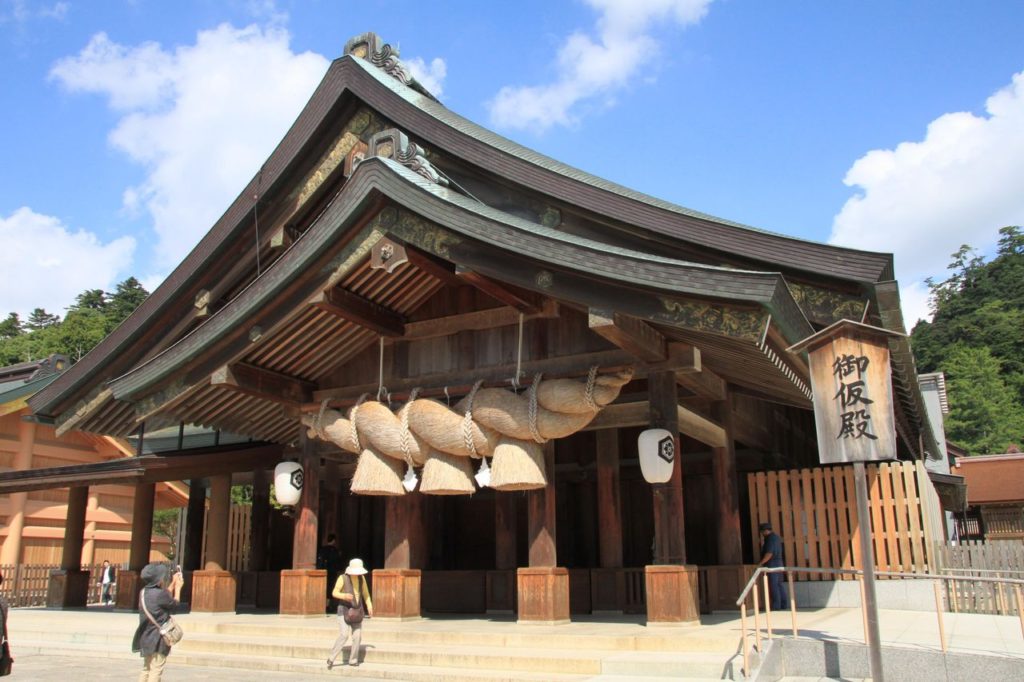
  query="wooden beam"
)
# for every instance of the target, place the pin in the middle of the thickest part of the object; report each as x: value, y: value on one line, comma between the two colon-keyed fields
x: 474, y: 321
x: 263, y: 383
x: 669, y: 527
x: 705, y: 384
x: 432, y: 265
x: 523, y: 301
x: 624, y: 415
x: 83, y: 411
x: 358, y: 310
x: 156, y: 407
x: 628, y: 333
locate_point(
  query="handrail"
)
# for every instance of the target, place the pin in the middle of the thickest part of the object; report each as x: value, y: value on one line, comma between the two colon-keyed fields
x: 1016, y: 583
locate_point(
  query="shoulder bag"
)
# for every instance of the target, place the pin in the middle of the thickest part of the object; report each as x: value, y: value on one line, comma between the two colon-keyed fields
x: 353, y: 615
x: 170, y: 631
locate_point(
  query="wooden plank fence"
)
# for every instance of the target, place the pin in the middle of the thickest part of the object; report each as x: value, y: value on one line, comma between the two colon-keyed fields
x: 239, y: 528
x: 26, y: 584
x: 814, y: 511
x: 996, y: 559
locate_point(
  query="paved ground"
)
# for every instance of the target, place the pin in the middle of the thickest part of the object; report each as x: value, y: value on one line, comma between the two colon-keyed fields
x: 57, y: 668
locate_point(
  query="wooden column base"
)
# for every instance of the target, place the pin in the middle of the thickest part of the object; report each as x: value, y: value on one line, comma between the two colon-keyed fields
x: 303, y: 592
x: 396, y: 593
x: 213, y: 592
x: 672, y: 595
x: 67, y: 589
x: 543, y: 595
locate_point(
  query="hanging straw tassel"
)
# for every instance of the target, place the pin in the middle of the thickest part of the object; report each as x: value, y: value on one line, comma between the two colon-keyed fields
x: 377, y: 474
x: 518, y: 465
x: 445, y: 474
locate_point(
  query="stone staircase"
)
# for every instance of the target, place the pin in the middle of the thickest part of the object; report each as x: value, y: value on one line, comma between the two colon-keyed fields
x: 428, y: 650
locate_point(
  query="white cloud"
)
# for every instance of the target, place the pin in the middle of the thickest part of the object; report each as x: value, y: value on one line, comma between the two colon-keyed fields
x: 922, y: 200
x: 589, y: 68
x: 200, y: 119
x: 47, y: 265
x: 430, y: 76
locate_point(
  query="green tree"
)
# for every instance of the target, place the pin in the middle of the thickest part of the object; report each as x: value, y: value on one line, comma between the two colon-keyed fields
x: 11, y: 327
x: 40, y: 319
x: 984, y: 413
x: 80, y: 331
x: 90, y: 299
x: 165, y: 522
x: 129, y: 295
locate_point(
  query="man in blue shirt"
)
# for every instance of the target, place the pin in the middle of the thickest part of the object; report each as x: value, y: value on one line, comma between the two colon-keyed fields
x: 771, y: 557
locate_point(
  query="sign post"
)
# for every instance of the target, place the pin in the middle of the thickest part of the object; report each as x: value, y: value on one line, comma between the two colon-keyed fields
x: 852, y: 388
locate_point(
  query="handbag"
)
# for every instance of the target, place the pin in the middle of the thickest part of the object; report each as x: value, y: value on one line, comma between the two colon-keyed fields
x: 170, y: 631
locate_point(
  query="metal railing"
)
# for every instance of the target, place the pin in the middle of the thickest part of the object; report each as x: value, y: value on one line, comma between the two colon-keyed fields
x: 939, y: 581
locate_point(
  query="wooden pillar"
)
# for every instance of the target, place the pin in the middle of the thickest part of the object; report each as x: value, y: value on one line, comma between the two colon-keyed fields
x: 543, y: 587
x: 141, y: 542
x: 195, y: 522
x: 259, y: 527
x: 501, y: 582
x: 89, y: 548
x: 669, y: 540
x: 11, y: 552
x: 213, y: 588
x: 727, y: 503
x: 396, y: 587
x: 672, y: 592
x: 304, y: 587
x: 608, y: 584
x: 69, y: 585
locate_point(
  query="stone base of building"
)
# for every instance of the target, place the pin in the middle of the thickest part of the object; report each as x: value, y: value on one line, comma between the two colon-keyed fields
x: 303, y: 592
x: 396, y: 593
x: 67, y: 589
x: 213, y: 592
x: 543, y: 595
x: 672, y: 595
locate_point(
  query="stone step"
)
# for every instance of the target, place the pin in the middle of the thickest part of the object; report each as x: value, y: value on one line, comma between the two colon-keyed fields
x: 369, y: 670
x: 669, y: 665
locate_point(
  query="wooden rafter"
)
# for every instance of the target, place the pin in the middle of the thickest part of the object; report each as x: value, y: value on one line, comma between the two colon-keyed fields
x: 263, y: 384
x: 361, y: 311
x: 524, y: 301
x: 473, y: 321
x: 704, y: 384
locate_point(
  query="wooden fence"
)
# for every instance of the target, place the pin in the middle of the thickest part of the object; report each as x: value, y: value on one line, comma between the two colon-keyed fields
x: 814, y: 511
x: 239, y: 528
x: 27, y: 584
x: 999, y: 559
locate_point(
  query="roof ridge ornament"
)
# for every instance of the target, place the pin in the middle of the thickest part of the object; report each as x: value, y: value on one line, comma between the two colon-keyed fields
x: 394, y: 144
x: 372, y: 48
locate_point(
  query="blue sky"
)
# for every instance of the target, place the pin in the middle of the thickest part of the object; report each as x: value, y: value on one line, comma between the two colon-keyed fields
x: 127, y: 128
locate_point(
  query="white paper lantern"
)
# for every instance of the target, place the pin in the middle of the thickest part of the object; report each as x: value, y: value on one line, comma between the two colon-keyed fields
x: 288, y: 483
x: 657, y: 449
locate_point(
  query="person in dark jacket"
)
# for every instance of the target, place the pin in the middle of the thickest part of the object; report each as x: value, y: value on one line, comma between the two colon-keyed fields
x: 160, y: 594
x: 6, y: 658
x: 772, y: 557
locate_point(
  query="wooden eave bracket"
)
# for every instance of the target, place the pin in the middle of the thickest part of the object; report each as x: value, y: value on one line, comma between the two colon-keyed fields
x: 525, y: 302
x: 263, y: 384
x: 83, y: 411
x: 696, y: 426
x: 360, y: 311
x: 648, y: 344
x: 476, y: 320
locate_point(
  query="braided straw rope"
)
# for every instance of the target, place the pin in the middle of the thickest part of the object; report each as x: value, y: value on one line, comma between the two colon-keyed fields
x: 406, y: 433
x: 352, y: 420
x: 588, y: 394
x: 318, y: 424
x: 467, y: 420
x: 533, y: 409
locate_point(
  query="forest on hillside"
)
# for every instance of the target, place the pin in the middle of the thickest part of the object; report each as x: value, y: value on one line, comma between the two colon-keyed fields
x: 94, y: 314
x: 976, y: 338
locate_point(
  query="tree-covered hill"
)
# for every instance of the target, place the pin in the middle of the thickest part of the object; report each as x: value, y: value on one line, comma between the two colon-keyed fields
x: 976, y: 338
x: 94, y: 314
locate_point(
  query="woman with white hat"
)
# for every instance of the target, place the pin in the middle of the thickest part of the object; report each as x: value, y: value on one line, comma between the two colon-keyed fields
x: 354, y: 603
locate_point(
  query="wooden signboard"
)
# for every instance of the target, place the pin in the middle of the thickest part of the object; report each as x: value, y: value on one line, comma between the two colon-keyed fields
x: 852, y: 386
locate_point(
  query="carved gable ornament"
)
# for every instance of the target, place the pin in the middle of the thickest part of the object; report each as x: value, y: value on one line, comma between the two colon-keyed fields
x: 394, y: 144
x: 851, y: 381
x: 372, y: 48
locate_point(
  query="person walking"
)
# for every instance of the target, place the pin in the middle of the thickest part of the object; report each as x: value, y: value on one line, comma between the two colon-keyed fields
x: 159, y: 597
x: 354, y: 603
x: 107, y: 582
x: 772, y: 556
x: 6, y: 658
